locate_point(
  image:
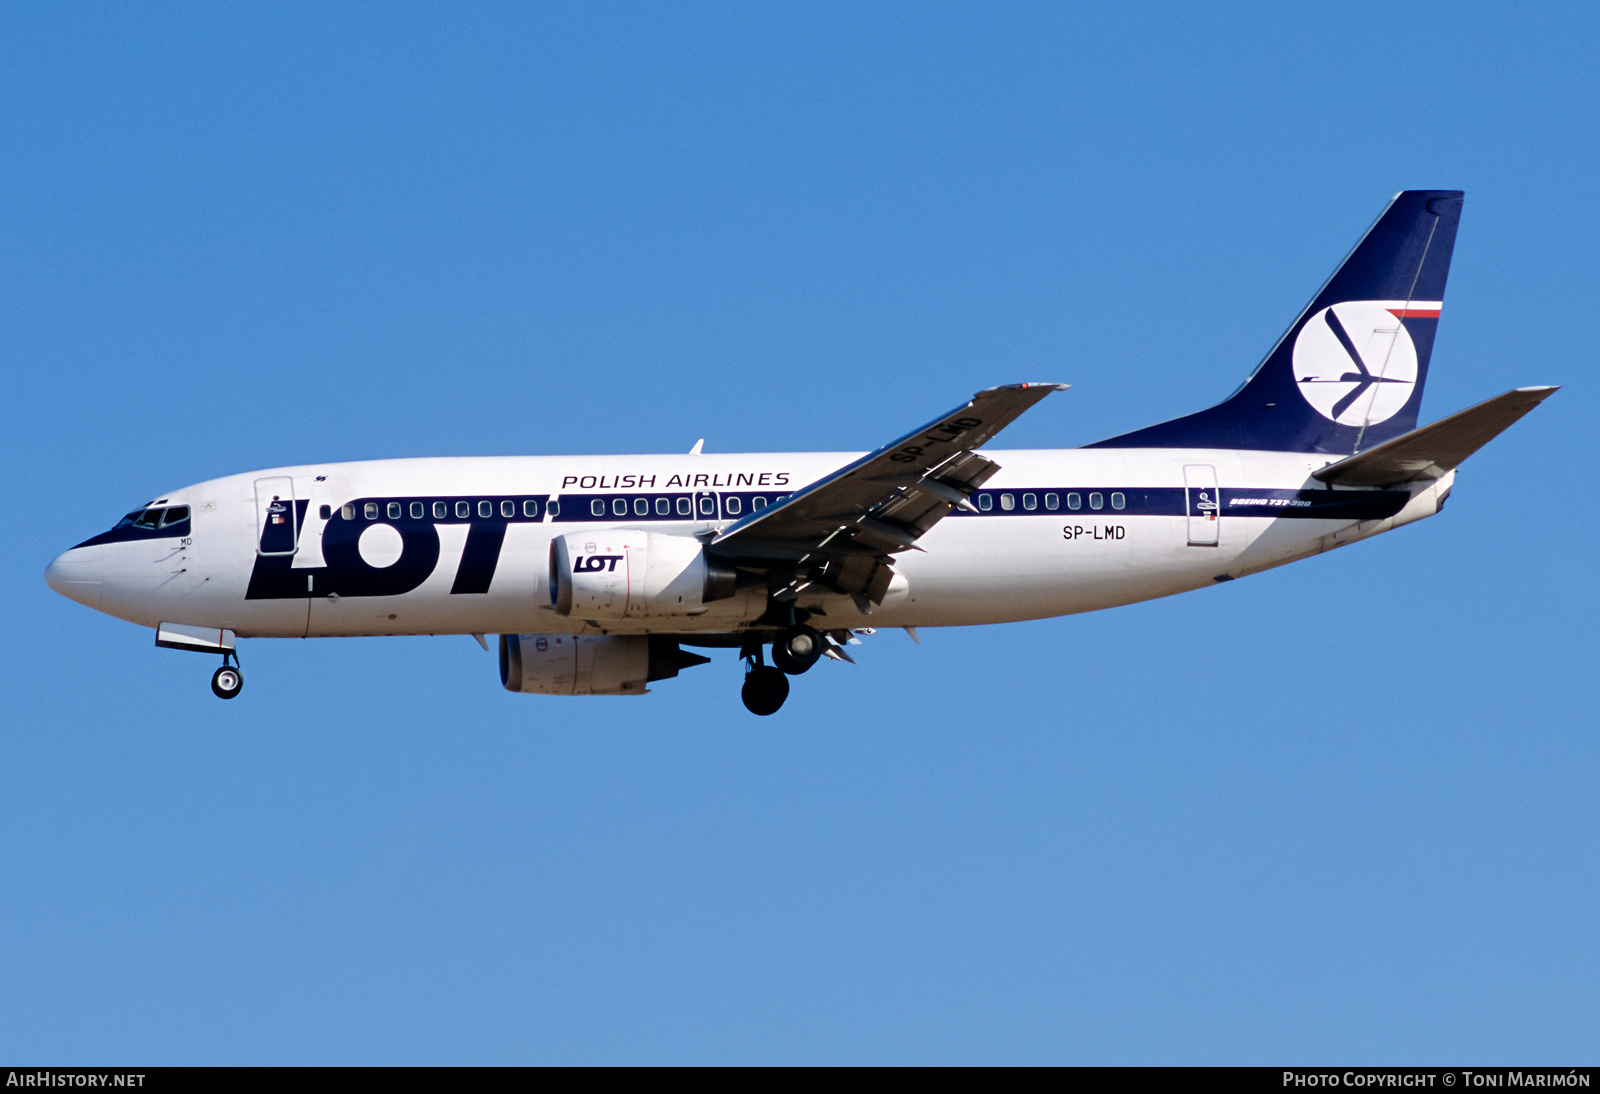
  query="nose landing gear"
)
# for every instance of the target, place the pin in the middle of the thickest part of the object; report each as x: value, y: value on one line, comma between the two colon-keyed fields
x: 227, y: 681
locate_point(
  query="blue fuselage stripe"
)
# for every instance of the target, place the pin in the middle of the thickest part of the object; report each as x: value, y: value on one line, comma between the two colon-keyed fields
x: 487, y: 519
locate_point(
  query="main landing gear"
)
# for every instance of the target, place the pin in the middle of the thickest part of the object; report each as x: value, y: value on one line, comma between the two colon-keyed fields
x: 765, y: 689
x: 797, y: 649
x: 765, y: 686
x: 227, y: 681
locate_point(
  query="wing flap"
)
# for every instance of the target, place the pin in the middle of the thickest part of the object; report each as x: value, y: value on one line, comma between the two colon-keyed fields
x: 1435, y: 449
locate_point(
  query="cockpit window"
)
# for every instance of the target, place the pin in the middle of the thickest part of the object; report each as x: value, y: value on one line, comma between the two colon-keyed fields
x: 156, y: 522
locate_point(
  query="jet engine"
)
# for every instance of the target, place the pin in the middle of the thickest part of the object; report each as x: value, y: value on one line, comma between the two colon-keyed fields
x: 588, y: 664
x: 628, y: 573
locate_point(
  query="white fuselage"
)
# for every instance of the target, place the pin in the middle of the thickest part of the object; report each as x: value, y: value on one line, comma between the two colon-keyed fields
x: 1064, y: 531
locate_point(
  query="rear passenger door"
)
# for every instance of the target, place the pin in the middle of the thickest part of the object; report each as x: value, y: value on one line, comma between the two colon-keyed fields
x: 1204, y: 504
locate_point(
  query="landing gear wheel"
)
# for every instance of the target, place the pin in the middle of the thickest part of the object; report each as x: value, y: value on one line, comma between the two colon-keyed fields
x: 765, y: 689
x: 226, y: 682
x: 796, y: 650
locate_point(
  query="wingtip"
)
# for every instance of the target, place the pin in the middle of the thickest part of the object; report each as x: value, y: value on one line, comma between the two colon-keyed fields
x: 1026, y: 386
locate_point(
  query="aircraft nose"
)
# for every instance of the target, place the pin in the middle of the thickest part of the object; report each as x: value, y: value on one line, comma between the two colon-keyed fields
x: 76, y: 576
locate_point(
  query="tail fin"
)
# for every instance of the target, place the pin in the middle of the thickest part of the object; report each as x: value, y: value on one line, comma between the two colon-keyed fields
x: 1348, y: 373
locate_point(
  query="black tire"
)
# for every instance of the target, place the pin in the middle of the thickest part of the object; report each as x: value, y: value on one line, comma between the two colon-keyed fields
x: 227, y: 682
x: 765, y: 689
x: 797, y: 649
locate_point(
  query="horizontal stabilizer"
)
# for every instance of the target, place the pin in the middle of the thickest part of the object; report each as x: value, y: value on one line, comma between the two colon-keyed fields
x: 1435, y: 449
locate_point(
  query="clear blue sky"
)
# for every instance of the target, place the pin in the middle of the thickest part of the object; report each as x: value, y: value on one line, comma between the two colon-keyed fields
x: 1342, y: 811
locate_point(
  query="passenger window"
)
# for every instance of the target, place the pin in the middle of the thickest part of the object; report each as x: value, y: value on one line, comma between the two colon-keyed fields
x: 508, y: 509
x: 641, y: 507
x: 1074, y: 501
x: 708, y: 507
x: 440, y: 510
x: 348, y: 512
x: 486, y: 508
x: 463, y: 510
x: 553, y: 509
x: 759, y: 504
x: 394, y: 510
x: 1052, y: 502
x: 619, y: 507
x: 985, y: 502
x: 684, y: 508
x: 663, y: 507
x: 1118, y: 501
x: 1096, y: 501
x: 181, y: 512
x: 732, y: 504
x: 530, y: 508
x: 1008, y: 502
x: 370, y: 510
x: 597, y: 507
x: 418, y: 510
x: 1030, y: 501
x: 325, y: 511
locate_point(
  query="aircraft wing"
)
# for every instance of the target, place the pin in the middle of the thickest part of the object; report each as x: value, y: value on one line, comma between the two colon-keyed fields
x: 1435, y: 449
x: 842, y: 529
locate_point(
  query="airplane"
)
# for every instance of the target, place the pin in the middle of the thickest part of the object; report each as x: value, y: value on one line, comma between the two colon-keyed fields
x: 597, y: 572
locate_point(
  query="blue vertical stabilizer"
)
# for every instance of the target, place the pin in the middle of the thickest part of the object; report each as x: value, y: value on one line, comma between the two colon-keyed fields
x: 1348, y: 374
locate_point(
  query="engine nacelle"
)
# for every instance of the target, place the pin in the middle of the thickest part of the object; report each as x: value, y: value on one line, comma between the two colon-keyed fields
x: 589, y: 664
x: 628, y: 573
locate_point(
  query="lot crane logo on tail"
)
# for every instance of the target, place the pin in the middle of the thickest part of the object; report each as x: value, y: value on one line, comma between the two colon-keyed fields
x: 1355, y: 362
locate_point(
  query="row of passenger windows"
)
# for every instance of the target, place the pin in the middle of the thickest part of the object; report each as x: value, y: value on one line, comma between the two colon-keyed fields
x: 732, y: 505
x: 1052, y: 502
x: 418, y: 510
